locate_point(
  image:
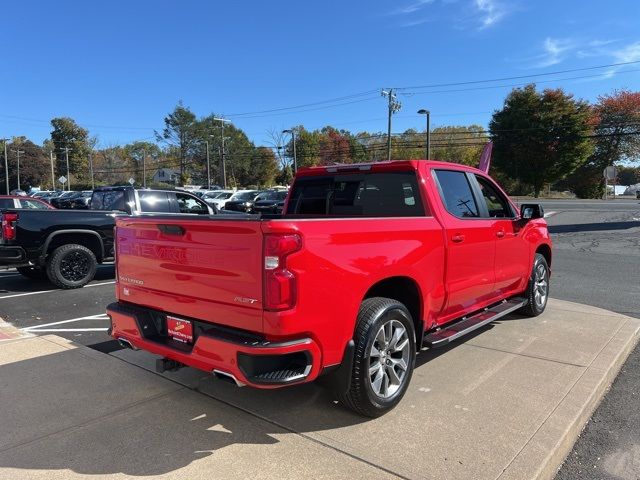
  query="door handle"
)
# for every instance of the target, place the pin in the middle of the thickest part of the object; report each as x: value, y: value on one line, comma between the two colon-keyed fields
x: 500, y: 233
x: 457, y: 238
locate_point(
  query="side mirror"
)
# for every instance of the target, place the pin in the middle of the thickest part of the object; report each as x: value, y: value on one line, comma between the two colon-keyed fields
x: 529, y: 211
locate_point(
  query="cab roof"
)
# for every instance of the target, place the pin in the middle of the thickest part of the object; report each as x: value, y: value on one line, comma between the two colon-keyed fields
x: 384, y: 166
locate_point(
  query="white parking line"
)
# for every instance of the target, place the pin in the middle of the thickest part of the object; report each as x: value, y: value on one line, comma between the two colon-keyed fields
x: 47, y: 291
x: 549, y: 214
x: 100, y: 316
x: 53, y: 330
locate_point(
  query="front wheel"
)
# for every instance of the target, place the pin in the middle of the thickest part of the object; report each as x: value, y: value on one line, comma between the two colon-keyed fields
x: 384, y: 357
x: 71, y: 266
x: 537, y: 292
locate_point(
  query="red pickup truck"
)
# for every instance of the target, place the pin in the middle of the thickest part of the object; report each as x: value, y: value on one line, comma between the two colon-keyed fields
x: 368, y: 264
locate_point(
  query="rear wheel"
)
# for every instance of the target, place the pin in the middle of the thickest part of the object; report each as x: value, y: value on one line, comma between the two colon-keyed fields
x: 34, y: 273
x: 537, y: 292
x: 383, y: 359
x: 71, y: 266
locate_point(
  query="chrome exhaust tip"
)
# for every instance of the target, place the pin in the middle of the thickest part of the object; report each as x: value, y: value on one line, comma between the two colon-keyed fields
x: 124, y: 343
x: 227, y: 377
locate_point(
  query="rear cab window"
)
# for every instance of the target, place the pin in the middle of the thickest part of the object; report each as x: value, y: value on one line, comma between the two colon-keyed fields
x: 394, y: 194
x: 154, y: 202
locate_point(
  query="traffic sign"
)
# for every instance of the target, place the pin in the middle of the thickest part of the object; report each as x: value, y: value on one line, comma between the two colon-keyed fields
x: 610, y: 173
x: 132, y: 181
x: 63, y: 179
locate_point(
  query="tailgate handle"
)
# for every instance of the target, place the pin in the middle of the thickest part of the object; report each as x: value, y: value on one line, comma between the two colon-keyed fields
x: 171, y: 229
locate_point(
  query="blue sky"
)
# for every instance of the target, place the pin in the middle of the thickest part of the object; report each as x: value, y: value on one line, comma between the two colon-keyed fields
x: 119, y: 67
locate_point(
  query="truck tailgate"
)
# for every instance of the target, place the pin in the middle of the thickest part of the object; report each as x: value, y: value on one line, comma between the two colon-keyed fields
x: 193, y: 267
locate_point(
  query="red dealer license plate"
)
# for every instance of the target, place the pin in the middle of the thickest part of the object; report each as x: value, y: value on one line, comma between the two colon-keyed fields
x: 180, y: 330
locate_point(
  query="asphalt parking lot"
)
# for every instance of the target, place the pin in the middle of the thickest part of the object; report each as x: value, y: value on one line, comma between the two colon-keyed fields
x: 596, y: 262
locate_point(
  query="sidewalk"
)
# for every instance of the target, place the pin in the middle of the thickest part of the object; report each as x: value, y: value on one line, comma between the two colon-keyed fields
x: 507, y: 403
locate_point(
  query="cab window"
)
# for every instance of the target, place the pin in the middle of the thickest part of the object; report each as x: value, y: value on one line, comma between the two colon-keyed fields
x: 456, y: 193
x: 32, y: 205
x: 497, y: 205
x: 154, y: 202
x: 189, y: 204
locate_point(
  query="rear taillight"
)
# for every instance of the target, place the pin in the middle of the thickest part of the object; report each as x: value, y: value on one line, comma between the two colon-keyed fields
x: 279, y: 283
x: 8, y: 226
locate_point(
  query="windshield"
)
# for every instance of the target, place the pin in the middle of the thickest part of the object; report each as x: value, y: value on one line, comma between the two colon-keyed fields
x: 271, y: 196
x: 244, y: 196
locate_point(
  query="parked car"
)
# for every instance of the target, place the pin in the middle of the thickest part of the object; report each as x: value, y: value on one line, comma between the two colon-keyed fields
x: 59, y: 200
x: 241, y: 201
x: 368, y: 264
x: 66, y: 246
x: 270, y: 202
x: 18, y: 201
x: 18, y: 193
x: 218, y: 198
x: 81, y: 201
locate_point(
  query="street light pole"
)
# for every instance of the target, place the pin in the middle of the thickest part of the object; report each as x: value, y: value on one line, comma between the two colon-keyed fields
x: 428, y: 114
x: 53, y: 180
x: 93, y: 185
x: 66, y: 153
x: 292, y: 131
x: 18, y: 152
x: 6, y: 164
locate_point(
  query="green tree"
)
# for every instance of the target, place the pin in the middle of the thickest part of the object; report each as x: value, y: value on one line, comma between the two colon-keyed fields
x: 67, y: 133
x: 628, y: 175
x: 265, y: 167
x: 181, y: 131
x: 616, y: 118
x: 458, y: 144
x: 35, y: 170
x: 135, y: 152
x: 541, y: 137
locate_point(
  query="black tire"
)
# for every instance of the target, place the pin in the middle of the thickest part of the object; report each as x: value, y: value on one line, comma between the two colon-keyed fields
x: 71, y: 266
x: 537, y: 293
x: 34, y: 273
x: 361, y: 396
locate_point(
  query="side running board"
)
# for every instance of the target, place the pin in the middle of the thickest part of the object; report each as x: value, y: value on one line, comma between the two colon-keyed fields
x: 466, y: 325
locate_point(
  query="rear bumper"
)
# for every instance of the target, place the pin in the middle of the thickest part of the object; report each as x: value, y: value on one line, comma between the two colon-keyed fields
x: 251, y: 360
x: 12, y: 256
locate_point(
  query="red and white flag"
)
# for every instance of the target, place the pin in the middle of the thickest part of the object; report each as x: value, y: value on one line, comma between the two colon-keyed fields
x: 485, y: 157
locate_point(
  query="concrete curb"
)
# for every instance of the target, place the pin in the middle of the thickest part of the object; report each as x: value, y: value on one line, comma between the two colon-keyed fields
x: 544, y: 454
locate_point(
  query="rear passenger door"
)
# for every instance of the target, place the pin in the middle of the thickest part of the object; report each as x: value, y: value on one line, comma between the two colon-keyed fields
x: 513, y: 263
x: 470, y: 243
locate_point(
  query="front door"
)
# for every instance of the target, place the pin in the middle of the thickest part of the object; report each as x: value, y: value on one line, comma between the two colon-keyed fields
x: 470, y: 246
x: 512, y: 260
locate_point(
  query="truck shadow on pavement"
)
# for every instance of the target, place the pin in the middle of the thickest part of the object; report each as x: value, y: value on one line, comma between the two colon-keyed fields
x: 13, y: 282
x: 93, y: 414
x: 67, y: 411
x: 593, y: 227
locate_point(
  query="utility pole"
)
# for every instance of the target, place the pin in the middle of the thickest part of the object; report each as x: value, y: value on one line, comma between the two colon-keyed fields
x: 208, y: 167
x: 93, y: 185
x: 53, y: 180
x: 18, y: 152
x: 222, y: 152
x: 6, y: 164
x: 66, y: 153
x: 394, y: 106
x: 144, y: 168
x: 428, y: 114
x: 292, y: 131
